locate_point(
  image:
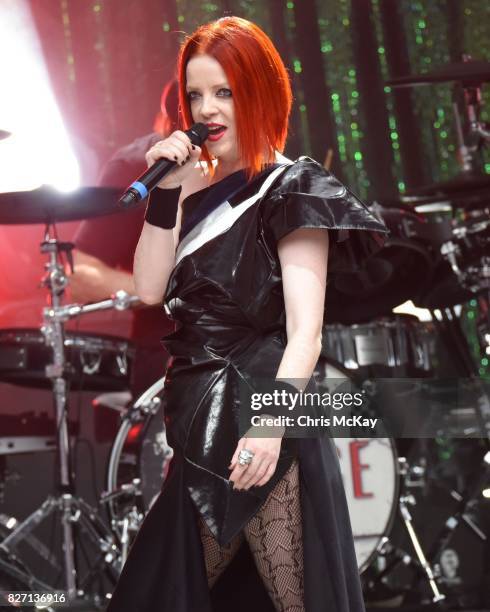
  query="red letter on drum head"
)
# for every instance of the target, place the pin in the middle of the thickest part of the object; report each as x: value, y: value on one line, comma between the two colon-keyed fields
x: 357, y: 467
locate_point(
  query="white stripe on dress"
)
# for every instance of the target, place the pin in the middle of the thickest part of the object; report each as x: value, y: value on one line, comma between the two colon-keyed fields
x: 222, y: 218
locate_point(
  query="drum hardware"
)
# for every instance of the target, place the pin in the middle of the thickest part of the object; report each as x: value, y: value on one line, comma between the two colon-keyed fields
x: 449, y: 250
x: 404, y: 502
x: 15, y: 576
x: 90, y: 362
x: 10, y: 523
x: 26, y: 444
x: 77, y: 517
x: 399, y: 344
x: 93, y: 362
x: 462, y: 515
x: 138, y: 460
x: 122, y: 362
x: 470, y: 74
x: 128, y: 525
x: 394, y: 556
x: 476, y: 275
x: 449, y: 328
x: 453, y: 336
x: 386, y: 548
x: 133, y: 488
x: 415, y: 474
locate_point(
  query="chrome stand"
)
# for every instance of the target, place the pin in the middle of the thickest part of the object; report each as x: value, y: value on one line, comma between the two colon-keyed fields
x: 412, y: 476
x: 437, y: 596
x: 74, y: 511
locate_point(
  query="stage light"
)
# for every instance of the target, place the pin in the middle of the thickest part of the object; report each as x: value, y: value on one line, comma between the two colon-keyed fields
x: 38, y: 151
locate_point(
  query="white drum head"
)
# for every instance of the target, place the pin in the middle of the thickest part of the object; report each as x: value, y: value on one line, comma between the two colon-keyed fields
x: 369, y: 469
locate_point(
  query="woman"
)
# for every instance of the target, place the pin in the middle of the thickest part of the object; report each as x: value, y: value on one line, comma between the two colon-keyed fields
x: 239, y: 251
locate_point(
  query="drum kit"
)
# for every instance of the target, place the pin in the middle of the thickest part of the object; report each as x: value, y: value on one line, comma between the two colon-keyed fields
x: 59, y: 359
x: 437, y: 255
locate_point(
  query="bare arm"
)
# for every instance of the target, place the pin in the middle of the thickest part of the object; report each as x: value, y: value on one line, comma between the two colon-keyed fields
x: 154, y: 258
x: 303, y: 255
x: 93, y: 280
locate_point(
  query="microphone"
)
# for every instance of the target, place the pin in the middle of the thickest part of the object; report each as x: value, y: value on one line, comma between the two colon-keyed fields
x: 142, y: 186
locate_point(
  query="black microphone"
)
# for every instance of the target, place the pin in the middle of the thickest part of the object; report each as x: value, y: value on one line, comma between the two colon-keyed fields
x: 142, y: 186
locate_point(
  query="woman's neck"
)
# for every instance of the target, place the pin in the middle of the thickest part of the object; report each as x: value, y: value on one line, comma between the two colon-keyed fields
x: 224, y: 169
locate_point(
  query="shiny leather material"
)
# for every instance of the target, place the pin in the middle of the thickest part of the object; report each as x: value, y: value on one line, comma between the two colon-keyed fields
x: 227, y: 297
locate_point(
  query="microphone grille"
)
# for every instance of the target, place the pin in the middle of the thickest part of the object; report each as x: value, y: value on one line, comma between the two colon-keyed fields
x: 198, y: 133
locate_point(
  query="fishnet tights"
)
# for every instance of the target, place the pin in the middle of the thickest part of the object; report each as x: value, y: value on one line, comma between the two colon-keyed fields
x: 274, y: 536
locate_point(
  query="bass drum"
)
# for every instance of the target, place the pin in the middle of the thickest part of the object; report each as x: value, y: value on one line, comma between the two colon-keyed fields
x: 138, y: 461
x: 140, y: 453
x: 370, y: 473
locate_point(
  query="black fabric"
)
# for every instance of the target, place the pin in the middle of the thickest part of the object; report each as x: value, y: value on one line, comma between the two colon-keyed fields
x: 226, y: 294
x: 166, y: 570
x: 162, y: 206
x: 309, y: 196
x: 199, y: 204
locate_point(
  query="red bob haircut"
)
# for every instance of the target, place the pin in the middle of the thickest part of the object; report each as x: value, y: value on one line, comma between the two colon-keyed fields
x: 258, y: 80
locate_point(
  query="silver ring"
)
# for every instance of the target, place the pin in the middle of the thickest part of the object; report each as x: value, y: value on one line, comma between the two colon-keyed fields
x: 245, y: 457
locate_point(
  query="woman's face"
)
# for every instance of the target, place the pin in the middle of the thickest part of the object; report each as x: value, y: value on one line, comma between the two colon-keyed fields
x: 211, y: 102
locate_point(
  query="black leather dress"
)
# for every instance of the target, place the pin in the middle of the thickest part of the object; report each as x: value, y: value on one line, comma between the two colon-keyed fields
x: 226, y: 294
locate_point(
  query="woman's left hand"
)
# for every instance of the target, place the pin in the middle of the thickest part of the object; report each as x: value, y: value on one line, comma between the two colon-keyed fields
x: 263, y: 465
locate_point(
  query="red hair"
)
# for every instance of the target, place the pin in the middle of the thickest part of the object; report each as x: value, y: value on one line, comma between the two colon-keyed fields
x: 258, y: 80
x: 167, y: 120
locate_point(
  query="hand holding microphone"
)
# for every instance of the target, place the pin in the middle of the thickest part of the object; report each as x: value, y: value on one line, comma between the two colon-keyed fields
x: 174, y: 156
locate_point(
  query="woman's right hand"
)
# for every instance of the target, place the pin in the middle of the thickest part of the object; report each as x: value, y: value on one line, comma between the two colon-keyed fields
x: 178, y: 148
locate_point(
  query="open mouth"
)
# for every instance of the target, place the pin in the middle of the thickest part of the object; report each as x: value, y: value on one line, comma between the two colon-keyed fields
x: 215, y: 132
x: 213, y: 129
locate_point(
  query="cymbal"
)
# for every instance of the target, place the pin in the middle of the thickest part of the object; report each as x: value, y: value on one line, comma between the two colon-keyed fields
x: 469, y: 199
x: 47, y: 205
x: 4, y: 134
x: 472, y: 72
x: 459, y: 185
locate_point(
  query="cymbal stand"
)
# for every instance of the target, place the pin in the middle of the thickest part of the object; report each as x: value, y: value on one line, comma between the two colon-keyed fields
x: 462, y: 515
x: 396, y: 556
x: 477, y: 132
x: 74, y: 510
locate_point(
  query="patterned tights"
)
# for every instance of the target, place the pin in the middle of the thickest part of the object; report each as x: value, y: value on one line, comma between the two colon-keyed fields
x: 275, y: 539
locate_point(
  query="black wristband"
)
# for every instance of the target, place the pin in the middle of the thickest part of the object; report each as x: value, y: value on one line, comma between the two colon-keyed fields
x: 162, y: 206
